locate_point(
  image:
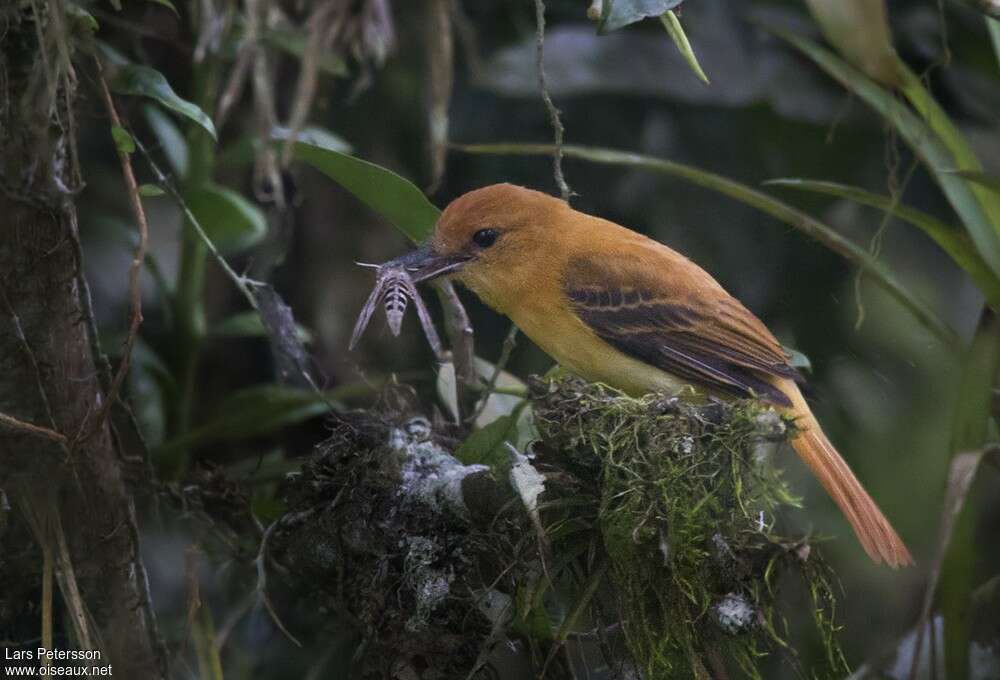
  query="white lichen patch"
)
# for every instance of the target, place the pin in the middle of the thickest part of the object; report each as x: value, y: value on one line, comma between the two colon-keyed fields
x: 686, y: 444
x: 526, y: 480
x: 735, y: 614
x: 496, y: 606
x: 429, y: 473
x: 430, y: 585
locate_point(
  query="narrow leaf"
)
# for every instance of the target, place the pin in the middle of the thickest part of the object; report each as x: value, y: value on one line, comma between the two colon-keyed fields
x: 143, y: 81
x: 82, y: 17
x: 951, y: 239
x: 676, y: 32
x: 231, y: 221
x: 859, y: 29
x: 993, y: 26
x: 617, y: 14
x: 922, y: 139
x: 171, y: 139
x: 970, y: 432
x: 991, y: 182
x: 123, y: 140
x: 150, y: 190
x: 486, y: 445
x: 252, y: 412
x: 497, y: 404
x: 397, y: 199
x: 249, y: 325
x: 806, y: 224
x: 964, y: 156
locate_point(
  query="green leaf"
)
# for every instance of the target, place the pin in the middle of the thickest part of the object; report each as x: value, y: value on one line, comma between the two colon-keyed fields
x: 859, y: 29
x: 112, y: 55
x: 993, y: 26
x: 81, y: 17
x: 150, y: 190
x: 971, y: 431
x: 143, y: 81
x: 231, y: 221
x: 317, y: 136
x: 991, y: 182
x: 171, y: 139
x: 497, y: 404
x: 249, y: 325
x: 486, y: 446
x: 922, y: 139
x: 117, y: 4
x: 395, y: 198
x: 531, y: 619
x: 964, y: 157
x: 123, y: 140
x: 617, y: 14
x: 951, y: 239
x: 808, y: 225
x: 252, y: 412
x: 246, y: 148
x: 676, y: 32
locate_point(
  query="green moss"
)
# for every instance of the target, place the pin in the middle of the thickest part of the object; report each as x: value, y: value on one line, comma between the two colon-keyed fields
x: 686, y: 507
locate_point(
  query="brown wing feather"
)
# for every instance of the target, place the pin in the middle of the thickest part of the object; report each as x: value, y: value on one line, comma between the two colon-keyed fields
x: 696, y: 332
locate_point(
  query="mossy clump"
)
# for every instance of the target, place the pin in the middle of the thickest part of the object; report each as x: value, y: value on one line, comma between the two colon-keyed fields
x: 686, y: 502
x: 379, y: 536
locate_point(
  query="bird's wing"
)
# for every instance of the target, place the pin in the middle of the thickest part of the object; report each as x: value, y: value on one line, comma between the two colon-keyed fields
x: 683, y: 322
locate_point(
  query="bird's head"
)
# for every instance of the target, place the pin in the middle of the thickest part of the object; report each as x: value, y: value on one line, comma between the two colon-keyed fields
x: 483, y: 237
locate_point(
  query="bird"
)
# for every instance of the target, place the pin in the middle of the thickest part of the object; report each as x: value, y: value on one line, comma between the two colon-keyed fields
x: 616, y: 307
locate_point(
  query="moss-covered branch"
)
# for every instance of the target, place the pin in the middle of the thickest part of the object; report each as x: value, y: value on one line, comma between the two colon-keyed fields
x: 660, y: 552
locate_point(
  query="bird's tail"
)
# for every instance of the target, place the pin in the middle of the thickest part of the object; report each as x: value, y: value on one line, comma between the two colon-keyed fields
x: 873, y: 530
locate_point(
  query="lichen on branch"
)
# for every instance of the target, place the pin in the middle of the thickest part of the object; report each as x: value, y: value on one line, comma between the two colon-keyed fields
x: 659, y: 550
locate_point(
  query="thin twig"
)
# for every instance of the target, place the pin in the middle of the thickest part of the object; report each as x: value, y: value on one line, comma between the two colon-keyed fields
x: 462, y: 342
x: 21, y: 426
x: 553, y: 112
x: 260, y: 561
x: 135, y: 269
x: 30, y: 354
x: 506, y: 349
x: 48, y: 574
x: 241, y: 282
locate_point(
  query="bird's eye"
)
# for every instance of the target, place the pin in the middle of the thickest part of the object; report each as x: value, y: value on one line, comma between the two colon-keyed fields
x: 484, y: 238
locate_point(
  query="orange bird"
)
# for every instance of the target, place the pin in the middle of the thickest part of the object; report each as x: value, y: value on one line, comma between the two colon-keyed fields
x: 616, y: 307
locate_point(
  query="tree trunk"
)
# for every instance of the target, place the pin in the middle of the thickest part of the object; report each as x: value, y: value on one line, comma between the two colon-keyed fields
x: 65, y: 481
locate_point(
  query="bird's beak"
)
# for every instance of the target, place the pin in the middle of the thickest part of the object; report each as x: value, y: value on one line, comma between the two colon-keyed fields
x: 424, y: 264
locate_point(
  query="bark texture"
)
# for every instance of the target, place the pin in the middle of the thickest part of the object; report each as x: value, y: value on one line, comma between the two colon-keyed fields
x: 71, y: 492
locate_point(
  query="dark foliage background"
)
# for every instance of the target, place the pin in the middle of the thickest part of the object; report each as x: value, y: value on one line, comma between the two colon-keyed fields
x: 884, y: 387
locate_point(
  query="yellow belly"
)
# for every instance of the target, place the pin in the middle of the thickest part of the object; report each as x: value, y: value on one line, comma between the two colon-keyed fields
x: 575, y: 346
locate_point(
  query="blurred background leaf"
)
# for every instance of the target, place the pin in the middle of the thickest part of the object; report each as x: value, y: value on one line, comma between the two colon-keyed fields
x: 392, y: 196
x: 231, y: 221
x: 143, y: 81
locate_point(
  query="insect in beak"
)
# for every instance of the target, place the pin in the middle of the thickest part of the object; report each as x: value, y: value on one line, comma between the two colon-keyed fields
x: 395, y: 286
x: 423, y: 264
